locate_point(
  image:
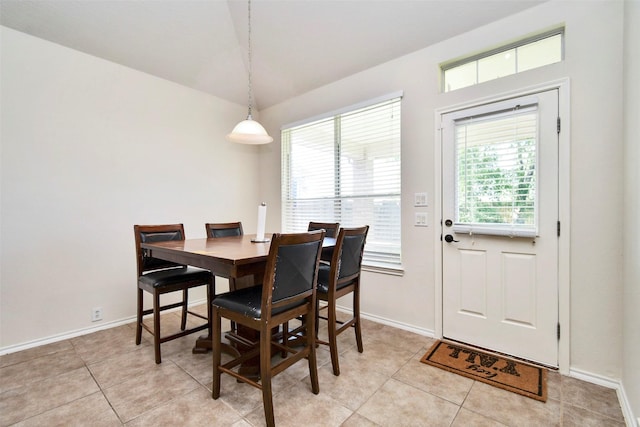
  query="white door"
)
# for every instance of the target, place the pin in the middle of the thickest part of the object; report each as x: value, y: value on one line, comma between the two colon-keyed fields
x: 500, y: 226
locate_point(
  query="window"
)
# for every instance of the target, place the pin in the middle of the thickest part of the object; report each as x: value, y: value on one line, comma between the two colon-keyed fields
x: 531, y: 53
x: 496, y: 172
x: 346, y: 168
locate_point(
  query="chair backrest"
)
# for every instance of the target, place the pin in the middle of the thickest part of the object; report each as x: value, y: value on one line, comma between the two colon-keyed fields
x: 291, y: 272
x: 224, y: 229
x: 330, y: 228
x: 348, y: 252
x: 151, y: 234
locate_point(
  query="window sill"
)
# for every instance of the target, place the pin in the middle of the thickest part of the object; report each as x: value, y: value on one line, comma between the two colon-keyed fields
x: 393, y: 270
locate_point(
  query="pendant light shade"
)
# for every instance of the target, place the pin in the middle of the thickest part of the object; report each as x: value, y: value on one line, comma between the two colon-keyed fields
x: 249, y: 131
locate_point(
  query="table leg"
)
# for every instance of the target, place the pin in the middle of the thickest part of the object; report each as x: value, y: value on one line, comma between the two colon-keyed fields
x: 203, y: 343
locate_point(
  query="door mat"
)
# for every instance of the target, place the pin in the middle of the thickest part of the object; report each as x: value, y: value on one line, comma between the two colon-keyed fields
x: 508, y: 374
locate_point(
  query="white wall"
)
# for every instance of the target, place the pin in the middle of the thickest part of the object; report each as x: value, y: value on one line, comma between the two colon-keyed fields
x: 594, y: 66
x: 90, y: 148
x: 631, y: 233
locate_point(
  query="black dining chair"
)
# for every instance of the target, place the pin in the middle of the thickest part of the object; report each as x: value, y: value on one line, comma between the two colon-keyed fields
x: 159, y: 277
x: 288, y: 292
x: 331, y: 230
x: 225, y: 229
x: 342, y: 277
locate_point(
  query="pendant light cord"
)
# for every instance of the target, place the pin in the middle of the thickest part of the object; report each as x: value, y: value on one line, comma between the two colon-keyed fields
x: 250, y: 62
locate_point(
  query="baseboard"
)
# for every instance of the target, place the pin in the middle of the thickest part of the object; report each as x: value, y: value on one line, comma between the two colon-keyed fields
x: 617, y: 385
x: 79, y: 332
x: 67, y: 335
x: 389, y: 322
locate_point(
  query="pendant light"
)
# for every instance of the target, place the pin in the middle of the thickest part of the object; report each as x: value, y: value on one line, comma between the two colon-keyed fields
x: 249, y: 131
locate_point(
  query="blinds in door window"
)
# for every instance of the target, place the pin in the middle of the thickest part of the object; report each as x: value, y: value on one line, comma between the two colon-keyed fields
x: 497, y: 173
x: 346, y: 168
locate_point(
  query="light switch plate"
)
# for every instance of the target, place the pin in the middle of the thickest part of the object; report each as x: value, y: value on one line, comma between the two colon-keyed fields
x: 421, y: 219
x: 420, y: 199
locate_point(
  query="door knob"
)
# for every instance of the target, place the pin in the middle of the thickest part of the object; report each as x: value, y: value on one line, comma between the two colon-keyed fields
x: 449, y: 238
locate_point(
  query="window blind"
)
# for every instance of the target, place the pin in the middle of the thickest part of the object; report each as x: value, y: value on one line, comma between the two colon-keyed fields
x: 346, y: 168
x: 496, y: 173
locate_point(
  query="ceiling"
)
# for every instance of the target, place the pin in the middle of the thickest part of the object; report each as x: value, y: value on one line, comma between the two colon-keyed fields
x: 297, y: 45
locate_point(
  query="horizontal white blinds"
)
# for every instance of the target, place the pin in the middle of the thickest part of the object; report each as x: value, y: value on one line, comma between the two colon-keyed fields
x: 496, y: 173
x: 346, y: 169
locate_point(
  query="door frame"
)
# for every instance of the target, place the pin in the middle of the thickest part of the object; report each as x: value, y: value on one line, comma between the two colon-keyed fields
x: 564, y: 208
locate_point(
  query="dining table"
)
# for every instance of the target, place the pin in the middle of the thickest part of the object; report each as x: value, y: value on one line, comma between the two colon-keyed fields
x: 240, y: 258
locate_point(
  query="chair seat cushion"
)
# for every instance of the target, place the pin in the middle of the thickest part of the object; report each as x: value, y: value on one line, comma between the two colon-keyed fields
x: 323, y: 279
x: 248, y: 302
x: 171, y: 276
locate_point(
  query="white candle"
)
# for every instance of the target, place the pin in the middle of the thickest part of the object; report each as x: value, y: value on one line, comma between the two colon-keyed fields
x: 262, y: 219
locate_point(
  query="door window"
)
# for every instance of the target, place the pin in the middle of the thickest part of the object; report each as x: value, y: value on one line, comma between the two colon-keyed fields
x: 496, y: 172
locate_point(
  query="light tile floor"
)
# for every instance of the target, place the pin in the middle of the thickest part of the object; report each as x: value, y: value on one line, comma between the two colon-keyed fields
x: 104, y: 379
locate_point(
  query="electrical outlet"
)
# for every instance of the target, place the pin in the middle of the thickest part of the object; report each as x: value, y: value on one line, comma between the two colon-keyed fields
x: 421, y: 219
x: 96, y: 314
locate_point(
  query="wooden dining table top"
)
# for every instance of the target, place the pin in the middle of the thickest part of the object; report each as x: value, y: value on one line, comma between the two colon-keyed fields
x: 233, y: 256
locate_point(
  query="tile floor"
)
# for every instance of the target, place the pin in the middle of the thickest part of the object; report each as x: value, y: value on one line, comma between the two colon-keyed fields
x: 104, y: 379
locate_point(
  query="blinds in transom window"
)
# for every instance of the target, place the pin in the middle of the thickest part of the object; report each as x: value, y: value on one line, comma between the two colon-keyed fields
x: 497, y: 173
x: 346, y: 169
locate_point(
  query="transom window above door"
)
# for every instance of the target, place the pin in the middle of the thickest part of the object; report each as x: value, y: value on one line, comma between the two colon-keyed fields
x: 532, y: 52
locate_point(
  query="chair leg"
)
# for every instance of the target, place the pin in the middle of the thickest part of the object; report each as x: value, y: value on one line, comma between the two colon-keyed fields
x: 317, y: 322
x: 216, y: 349
x: 211, y: 292
x: 356, y: 316
x: 285, y: 338
x: 232, y: 287
x: 156, y: 326
x: 139, y: 317
x: 265, y: 376
x: 185, y: 301
x: 333, y: 341
x: 311, y: 343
